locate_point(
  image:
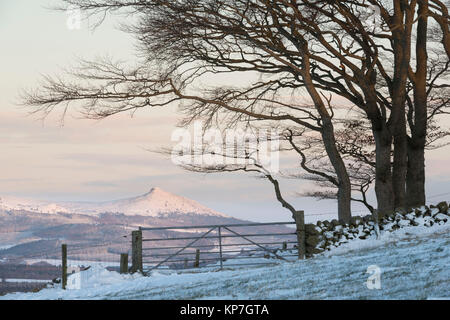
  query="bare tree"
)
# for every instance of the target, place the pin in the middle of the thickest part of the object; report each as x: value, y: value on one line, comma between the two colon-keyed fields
x: 216, y: 38
x: 318, y: 170
x: 315, y: 46
x: 240, y: 154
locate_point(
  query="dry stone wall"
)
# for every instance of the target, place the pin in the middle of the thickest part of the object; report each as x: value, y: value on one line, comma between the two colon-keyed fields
x: 325, y: 235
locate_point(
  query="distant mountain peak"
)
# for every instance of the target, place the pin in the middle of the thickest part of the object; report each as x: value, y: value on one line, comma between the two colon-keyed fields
x: 156, y: 202
x: 157, y: 192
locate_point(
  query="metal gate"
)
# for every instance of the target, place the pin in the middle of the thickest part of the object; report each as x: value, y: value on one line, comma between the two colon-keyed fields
x: 214, y: 246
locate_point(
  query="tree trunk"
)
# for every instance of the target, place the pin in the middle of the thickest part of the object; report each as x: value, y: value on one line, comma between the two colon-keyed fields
x: 404, y: 17
x: 383, y: 175
x: 344, y: 202
x: 344, y: 188
x: 399, y: 169
x: 329, y: 141
x: 415, y: 182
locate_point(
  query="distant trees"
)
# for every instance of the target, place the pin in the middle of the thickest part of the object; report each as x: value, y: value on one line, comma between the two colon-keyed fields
x: 391, y: 67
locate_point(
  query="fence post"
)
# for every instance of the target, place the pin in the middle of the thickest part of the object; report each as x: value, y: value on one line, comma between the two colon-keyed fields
x: 220, y: 247
x: 185, y: 263
x: 64, y: 266
x: 284, y: 246
x: 197, y: 259
x: 301, y: 236
x: 124, y: 263
x: 136, y: 251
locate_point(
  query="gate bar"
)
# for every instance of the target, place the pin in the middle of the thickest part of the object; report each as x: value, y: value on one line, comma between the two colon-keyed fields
x: 179, y: 251
x: 217, y: 225
x: 223, y: 245
x: 225, y: 236
x: 243, y: 236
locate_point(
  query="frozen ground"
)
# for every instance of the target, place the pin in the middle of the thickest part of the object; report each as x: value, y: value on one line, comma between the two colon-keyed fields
x: 414, y: 264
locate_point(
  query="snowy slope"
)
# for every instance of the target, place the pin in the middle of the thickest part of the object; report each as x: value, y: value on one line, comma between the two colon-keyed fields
x: 39, y: 206
x: 414, y: 264
x: 154, y: 203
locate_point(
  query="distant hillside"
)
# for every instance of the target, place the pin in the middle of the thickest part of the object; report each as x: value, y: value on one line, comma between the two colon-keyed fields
x: 154, y: 203
x: 100, y: 231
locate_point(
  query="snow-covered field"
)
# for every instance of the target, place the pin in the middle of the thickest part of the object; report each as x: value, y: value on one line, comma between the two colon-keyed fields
x: 414, y: 264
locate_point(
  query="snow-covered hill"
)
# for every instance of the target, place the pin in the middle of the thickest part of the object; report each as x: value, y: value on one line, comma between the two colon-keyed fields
x: 157, y: 202
x: 413, y: 264
x: 36, y: 229
x: 31, y: 205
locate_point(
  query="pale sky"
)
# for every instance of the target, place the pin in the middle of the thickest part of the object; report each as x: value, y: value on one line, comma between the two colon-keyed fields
x: 108, y: 159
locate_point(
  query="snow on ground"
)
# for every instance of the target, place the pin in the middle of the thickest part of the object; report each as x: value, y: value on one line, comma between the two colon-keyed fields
x: 414, y: 264
x: 71, y: 262
x: 5, y: 247
x: 26, y: 280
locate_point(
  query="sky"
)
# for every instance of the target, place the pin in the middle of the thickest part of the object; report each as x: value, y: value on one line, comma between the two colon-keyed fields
x: 110, y: 159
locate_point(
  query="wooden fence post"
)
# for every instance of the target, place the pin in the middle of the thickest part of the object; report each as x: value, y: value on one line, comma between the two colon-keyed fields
x: 301, y: 235
x: 197, y: 259
x: 220, y: 249
x: 185, y: 263
x: 64, y: 266
x: 136, y: 251
x: 124, y: 263
x: 284, y: 246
